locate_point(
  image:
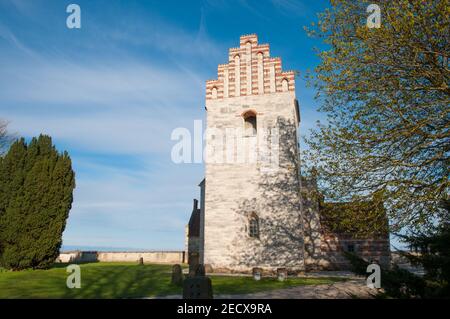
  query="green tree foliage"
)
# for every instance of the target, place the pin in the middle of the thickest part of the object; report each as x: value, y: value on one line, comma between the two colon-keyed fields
x: 359, y: 219
x: 36, y: 195
x: 386, y: 95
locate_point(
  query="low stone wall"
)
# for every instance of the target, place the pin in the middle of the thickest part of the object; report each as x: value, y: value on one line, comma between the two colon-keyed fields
x: 151, y: 257
x: 69, y: 256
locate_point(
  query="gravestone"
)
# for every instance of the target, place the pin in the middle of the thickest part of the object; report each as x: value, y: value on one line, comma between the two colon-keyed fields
x: 193, y: 263
x: 192, y: 272
x: 197, y: 288
x: 257, y: 273
x: 282, y: 274
x: 200, y: 271
x: 208, y: 268
x: 177, y: 275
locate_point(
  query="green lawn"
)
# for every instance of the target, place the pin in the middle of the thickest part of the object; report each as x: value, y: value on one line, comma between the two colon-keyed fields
x: 126, y: 280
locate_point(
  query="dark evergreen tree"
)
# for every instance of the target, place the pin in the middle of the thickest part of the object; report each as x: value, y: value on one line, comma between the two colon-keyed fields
x: 430, y: 251
x: 37, y: 192
x: 11, y: 185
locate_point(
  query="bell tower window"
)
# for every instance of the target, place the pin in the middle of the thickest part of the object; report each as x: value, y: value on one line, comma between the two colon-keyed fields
x: 250, y: 123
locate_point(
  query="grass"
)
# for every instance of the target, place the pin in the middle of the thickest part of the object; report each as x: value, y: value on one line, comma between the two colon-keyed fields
x: 126, y: 280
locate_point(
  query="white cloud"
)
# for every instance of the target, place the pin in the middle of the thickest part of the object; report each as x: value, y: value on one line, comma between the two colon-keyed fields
x: 99, y: 83
x: 130, y: 134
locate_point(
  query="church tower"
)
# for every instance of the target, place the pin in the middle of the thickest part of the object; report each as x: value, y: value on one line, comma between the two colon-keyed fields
x: 251, y: 214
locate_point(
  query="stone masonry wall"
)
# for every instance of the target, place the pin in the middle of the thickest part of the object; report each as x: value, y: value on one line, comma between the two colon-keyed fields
x: 157, y: 257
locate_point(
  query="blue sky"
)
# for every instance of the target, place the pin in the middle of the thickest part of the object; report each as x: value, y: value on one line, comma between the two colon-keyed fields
x: 111, y: 93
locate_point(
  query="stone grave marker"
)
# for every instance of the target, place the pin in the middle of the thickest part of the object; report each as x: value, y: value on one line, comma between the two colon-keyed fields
x: 177, y: 275
x: 197, y: 288
x: 257, y: 273
x: 282, y: 274
x: 200, y: 270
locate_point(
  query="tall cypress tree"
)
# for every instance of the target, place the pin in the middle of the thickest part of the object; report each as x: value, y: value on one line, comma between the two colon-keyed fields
x: 11, y: 185
x: 36, y: 204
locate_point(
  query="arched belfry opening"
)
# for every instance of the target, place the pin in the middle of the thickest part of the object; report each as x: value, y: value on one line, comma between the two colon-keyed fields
x: 214, y: 93
x: 285, y: 85
x: 250, y: 123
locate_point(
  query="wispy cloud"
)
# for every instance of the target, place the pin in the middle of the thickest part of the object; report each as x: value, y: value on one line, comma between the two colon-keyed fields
x: 108, y: 84
x: 22, y: 6
x: 291, y: 7
x: 7, y: 35
x: 112, y: 108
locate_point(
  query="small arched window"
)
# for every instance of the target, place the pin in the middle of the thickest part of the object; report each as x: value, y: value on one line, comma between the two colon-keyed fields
x: 250, y: 124
x: 214, y: 93
x: 285, y: 85
x: 253, y: 226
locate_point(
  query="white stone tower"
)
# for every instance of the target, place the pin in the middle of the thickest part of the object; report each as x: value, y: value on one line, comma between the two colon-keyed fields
x: 251, y: 214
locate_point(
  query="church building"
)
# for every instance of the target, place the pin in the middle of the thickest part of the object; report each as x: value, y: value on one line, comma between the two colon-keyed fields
x: 256, y: 210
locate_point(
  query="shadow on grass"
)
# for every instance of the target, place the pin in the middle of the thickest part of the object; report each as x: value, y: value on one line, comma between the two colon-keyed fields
x: 124, y: 281
x: 98, y: 280
x: 127, y: 280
